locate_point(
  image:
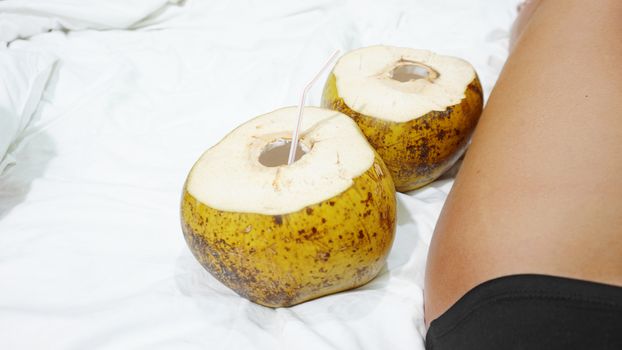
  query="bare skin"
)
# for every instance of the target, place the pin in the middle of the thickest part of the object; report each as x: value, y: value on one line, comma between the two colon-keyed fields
x: 540, y: 190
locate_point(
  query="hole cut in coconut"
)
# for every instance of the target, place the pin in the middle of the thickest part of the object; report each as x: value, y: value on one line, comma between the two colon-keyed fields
x: 407, y: 71
x: 276, y: 153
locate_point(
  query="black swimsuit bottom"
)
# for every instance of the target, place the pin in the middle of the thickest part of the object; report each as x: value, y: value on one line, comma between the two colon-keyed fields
x: 532, y: 312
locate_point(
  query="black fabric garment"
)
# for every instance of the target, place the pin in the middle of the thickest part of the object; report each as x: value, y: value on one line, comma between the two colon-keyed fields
x: 532, y: 312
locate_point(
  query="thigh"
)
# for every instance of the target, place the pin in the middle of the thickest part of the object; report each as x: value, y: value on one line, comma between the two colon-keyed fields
x: 540, y: 189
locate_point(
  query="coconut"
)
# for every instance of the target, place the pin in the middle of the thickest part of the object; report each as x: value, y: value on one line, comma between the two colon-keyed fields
x: 281, y: 234
x: 417, y: 109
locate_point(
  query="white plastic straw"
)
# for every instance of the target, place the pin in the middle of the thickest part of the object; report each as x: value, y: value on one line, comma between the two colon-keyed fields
x: 295, y: 134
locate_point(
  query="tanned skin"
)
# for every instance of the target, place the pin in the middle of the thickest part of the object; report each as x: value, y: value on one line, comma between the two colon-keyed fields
x: 540, y: 189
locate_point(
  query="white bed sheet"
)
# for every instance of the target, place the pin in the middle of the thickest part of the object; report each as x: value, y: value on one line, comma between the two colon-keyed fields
x: 91, y: 250
x: 25, y: 18
x: 23, y: 78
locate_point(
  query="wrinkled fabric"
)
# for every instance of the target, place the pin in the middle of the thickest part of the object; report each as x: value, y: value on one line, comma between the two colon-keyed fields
x: 21, y: 19
x: 23, y: 76
x: 91, y: 250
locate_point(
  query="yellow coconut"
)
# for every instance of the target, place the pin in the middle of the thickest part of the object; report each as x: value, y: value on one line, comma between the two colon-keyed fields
x: 282, y: 234
x: 417, y: 109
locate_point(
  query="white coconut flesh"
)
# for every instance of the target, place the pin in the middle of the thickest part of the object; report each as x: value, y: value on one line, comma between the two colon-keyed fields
x: 400, y: 84
x: 247, y: 171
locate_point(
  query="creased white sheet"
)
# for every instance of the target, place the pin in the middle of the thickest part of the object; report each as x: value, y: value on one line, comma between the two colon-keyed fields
x: 25, y: 18
x: 91, y: 250
x: 23, y: 76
